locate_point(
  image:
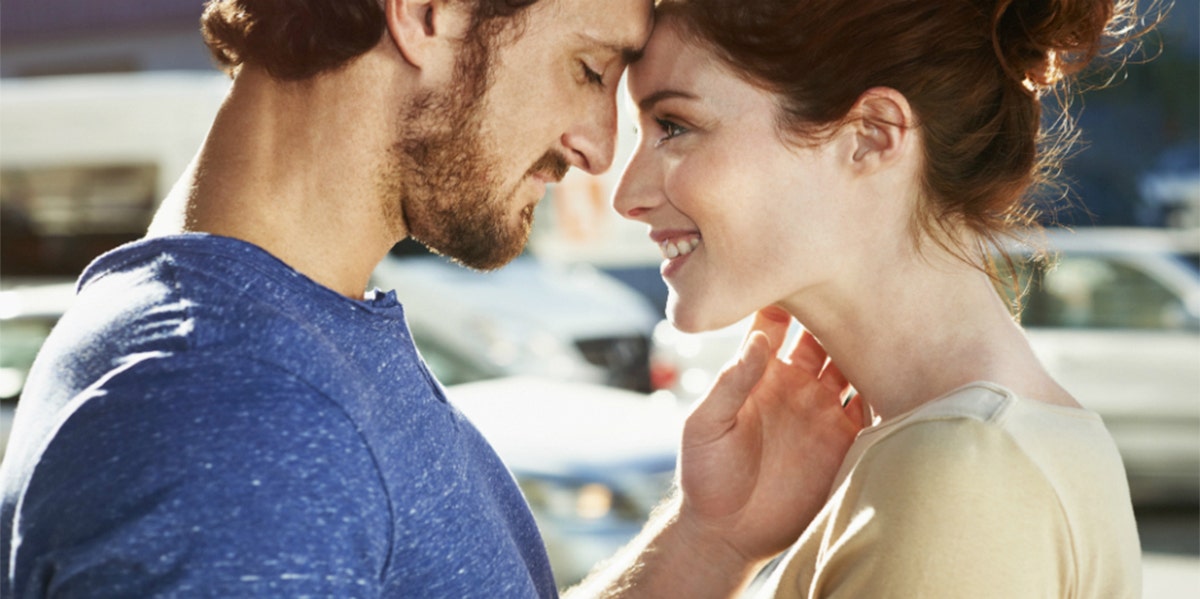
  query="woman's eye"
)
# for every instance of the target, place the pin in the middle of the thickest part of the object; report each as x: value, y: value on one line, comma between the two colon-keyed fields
x: 669, y: 129
x: 591, y: 75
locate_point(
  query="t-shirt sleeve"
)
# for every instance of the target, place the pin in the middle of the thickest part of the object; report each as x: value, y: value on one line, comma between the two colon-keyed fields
x: 949, y: 508
x: 227, y: 480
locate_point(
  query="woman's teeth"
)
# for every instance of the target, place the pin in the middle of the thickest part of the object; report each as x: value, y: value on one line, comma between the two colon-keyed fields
x: 674, y: 248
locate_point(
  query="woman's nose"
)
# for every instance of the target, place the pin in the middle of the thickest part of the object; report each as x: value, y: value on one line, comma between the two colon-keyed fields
x: 638, y: 191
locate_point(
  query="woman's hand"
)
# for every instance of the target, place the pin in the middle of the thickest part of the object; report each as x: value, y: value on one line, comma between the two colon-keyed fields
x: 759, y: 455
x: 760, y: 451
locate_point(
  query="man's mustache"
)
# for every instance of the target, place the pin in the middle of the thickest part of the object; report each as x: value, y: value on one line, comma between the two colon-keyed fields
x: 553, y: 164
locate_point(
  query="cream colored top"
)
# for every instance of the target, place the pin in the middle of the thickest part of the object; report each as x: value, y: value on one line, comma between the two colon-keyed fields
x: 978, y: 494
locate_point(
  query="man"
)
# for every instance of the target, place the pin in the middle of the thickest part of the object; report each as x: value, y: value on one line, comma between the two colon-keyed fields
x: 225, y: 413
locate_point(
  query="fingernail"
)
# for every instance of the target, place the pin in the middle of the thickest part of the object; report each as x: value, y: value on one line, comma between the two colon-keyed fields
x: 776, y: 313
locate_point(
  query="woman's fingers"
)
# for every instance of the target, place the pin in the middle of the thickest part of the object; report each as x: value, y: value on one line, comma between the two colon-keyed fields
x: 856, y: 411
x: 807, y: 354
x: 833, y: 378
x: 773, y: 322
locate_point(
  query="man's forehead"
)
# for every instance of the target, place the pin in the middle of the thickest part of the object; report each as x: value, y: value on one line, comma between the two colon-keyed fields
x: 619, y: 26
x: 629, y: 51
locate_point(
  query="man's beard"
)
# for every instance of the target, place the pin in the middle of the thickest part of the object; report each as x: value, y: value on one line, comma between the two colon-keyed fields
x: 442, y: 180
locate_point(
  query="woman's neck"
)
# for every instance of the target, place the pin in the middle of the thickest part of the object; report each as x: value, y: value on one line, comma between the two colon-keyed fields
x: 927, y: 326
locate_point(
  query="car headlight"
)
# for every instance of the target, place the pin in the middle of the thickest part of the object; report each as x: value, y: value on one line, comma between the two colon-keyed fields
x: 579, y: 501
x: 522, y: 348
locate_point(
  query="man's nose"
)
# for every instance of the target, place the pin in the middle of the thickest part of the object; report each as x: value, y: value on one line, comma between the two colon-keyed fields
x: 591, y: 141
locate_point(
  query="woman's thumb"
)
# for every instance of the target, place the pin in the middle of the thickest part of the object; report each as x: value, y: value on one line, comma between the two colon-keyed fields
x: 738, y: 379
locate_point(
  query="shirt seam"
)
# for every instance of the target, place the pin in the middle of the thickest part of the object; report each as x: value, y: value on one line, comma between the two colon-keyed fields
x: 147, y: 251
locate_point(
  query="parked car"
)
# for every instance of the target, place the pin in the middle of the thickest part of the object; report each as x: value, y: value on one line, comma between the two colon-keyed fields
x: 27, y: 314
x: 573, y: 323
x: 1116, y: 320
x: 591, y: 460
x: 1170, y: 191
x: 528, y: 318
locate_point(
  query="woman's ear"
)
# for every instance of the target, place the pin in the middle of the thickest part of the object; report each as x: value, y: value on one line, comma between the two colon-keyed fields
x: 420, y: 29
x: 882, y: 121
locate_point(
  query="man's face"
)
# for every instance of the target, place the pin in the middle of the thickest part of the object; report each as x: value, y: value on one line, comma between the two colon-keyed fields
x: 474, y: 160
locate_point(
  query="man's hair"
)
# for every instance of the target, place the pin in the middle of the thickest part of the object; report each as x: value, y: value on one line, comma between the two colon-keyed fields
x: 297, y: 39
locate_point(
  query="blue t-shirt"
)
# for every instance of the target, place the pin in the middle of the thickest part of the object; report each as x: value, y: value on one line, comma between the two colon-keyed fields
x: 206, y: 421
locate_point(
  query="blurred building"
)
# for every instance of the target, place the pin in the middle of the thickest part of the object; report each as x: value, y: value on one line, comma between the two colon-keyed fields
x: 56, y: 37
x: 84, y: 158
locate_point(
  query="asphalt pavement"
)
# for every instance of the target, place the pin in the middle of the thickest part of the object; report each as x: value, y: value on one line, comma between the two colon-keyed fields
x: 1170, y: 551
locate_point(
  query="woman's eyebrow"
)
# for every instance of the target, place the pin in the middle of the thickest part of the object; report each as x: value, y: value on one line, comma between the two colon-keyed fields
x: 645, y: 104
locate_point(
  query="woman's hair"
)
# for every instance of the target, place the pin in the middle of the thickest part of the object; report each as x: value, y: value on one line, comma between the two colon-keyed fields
x: 974, y: 72
x: 296, y: 39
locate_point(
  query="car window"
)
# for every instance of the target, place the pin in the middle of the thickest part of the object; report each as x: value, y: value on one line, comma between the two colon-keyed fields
x: 1192, y: 260
x: 1097, y: 292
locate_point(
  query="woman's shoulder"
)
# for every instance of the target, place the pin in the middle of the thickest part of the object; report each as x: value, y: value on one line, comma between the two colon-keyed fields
x: 985, y: 429
x: 954, y: 497
x: 985, y: 464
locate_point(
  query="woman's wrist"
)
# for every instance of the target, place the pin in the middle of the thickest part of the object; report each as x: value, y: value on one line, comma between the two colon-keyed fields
x: 714, y: 557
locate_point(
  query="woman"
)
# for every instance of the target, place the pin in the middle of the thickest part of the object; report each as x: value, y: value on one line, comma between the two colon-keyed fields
x: 856, y: 162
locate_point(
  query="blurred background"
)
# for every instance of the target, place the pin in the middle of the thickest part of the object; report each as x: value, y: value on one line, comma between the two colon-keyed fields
x: 103, y: 104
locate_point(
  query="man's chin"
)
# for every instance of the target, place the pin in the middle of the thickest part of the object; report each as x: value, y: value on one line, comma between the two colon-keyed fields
x: 494, y: 258
x: 488, y: 264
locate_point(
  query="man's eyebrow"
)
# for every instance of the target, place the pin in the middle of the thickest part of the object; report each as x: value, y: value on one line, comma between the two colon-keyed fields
x: 628, y: 54
x: 645, y: 104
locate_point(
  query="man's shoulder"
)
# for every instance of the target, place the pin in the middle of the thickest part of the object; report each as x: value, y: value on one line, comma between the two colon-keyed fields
x: 200, y: 299
x: 199, y: 401
x: 195, y: 463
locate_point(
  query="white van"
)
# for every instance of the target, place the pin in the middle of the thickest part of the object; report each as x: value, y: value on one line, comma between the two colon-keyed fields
x: 85, y: 159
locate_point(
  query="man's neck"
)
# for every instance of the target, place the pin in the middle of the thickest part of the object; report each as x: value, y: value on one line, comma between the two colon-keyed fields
x: 292, y: 168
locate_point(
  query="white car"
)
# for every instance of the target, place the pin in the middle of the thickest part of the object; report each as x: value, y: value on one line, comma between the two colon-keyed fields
x: 528, y: 318
x: 531, y: 318
x: 26, y: 316
x: 591, y: 460
x: 1116, y: 321
x: 27, y: 313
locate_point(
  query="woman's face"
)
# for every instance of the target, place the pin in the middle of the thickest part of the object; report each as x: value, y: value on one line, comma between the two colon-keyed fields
x: 743, y: 218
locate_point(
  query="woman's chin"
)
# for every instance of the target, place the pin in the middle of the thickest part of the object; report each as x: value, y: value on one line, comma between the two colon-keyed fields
x: 685, y: 326
x: 693, y: 319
